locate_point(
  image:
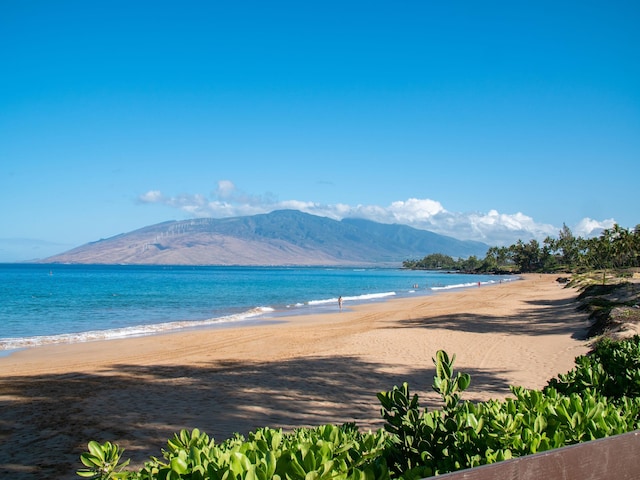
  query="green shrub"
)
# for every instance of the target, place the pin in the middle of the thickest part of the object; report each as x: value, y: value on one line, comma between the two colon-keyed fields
x: 464, y: 435
x: 321, y: 453
x: 103, y: 461
x: 612, y: 369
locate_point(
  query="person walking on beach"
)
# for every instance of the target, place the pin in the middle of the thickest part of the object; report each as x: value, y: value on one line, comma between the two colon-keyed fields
x: 340, y: 302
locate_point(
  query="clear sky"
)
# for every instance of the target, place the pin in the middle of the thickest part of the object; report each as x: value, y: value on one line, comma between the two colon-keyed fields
x: 485, y: 120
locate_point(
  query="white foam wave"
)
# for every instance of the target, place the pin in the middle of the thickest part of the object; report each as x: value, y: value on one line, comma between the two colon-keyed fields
x: 355, y: 298
x: 135, y: 331
x: 451, y: 287
x: 469, y: 284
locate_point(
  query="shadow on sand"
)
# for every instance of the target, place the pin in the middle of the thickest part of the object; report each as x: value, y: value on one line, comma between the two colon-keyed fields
x: 554, y: 317
x: 46, y: 421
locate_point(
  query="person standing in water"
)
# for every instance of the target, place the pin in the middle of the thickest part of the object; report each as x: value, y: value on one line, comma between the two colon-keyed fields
x: 340, y: 302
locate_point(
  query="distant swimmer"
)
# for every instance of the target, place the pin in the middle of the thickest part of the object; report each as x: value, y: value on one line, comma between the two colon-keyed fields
x: 340, y: 303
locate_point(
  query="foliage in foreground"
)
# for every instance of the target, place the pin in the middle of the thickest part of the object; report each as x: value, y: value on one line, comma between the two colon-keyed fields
x: 464, y: 434
x: 612, y: 369
x: 598, y: 398
x: 325, y: 452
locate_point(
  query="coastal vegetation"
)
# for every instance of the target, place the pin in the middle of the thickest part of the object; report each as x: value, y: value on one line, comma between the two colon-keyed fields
x: 616, y: 248
x: 601, y: 268
x: 596, y: 399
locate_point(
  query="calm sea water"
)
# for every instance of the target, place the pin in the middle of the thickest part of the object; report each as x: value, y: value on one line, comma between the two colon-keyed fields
x: 41, y: 304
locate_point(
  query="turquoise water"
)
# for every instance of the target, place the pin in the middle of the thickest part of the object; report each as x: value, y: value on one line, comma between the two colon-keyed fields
x: 41, y: 304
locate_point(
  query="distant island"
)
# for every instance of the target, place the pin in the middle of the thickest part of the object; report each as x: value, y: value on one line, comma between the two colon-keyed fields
x: 283, y: 237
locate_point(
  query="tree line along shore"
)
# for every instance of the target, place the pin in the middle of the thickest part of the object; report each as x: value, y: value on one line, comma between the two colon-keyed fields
x: 616, y: 248
x: 605, y: 269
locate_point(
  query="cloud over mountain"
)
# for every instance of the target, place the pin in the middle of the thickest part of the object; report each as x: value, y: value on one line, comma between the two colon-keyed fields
x: 492, y: 227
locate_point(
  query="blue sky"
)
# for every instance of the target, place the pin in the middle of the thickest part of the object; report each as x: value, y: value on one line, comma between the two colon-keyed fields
x: 485, y: 120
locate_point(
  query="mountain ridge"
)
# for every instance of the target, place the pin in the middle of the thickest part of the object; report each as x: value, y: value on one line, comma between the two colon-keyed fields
x: 282, y: 237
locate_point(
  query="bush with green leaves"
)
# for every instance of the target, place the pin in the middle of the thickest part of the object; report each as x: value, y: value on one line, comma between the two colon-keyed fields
x: 425, y: 443
x: 612, y: 369
x: 321, y: 453
x: 463, y: 434
x: 596, y: 399
x: 103, y: 461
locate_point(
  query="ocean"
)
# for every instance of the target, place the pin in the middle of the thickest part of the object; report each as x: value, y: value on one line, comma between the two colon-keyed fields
x: 48, y: 304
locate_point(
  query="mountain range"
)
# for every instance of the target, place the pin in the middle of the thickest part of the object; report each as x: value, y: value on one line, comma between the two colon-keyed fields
x: 283, y: 237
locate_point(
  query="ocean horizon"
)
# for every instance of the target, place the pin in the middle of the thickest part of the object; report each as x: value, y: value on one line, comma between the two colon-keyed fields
x: 46, y: 304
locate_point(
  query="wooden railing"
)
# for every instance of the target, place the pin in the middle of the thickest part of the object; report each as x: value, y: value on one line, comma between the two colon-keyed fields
x: 616, y: 457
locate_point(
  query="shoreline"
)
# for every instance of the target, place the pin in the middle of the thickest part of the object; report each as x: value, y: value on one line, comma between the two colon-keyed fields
x: 268, y: 317
x: 252, y: 316
x: 303, y: 370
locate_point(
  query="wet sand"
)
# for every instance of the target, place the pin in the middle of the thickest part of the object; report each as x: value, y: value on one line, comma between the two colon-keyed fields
x: 300, y: 371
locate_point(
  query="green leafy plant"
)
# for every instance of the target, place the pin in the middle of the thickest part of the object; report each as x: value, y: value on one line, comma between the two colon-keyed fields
x: 426, y: 443
x: 323, y: 453
x: 102, y: 461
x: 613, y: 369
x: 464, y: 435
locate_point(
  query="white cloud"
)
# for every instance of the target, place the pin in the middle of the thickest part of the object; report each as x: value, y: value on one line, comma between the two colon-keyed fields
x: 589, y: 228
x: 492, y: 227
x: 152, y: 196
x: 225, y: 189
x: 416, y: 209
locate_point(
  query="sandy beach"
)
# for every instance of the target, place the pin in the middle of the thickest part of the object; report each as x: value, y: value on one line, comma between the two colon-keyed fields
x: 298, y: 371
